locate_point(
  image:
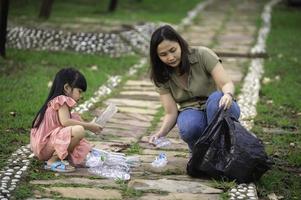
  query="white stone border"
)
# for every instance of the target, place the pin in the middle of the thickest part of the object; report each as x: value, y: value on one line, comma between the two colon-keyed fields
x: 249, y: 94
x: 11, y: 174
x: 106, y: 89
x: 193, y: 13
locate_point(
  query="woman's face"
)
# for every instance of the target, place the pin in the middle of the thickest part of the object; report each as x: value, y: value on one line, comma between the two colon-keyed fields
x: 169, y: 53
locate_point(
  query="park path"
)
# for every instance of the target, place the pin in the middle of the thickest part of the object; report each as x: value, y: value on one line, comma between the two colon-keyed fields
x: 229, y: 27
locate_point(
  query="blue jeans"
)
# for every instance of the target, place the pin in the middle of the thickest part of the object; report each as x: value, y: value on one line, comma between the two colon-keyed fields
x: 192, y: 122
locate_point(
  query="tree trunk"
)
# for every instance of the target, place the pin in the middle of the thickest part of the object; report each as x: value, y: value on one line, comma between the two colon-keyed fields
x: 112, y: 5
x: 4, y: 5
x: 45, y: 10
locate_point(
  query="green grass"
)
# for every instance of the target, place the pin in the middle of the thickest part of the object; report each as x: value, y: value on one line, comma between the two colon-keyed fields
x: 134, y: 149
x: 95, y: 11
x: 128, y: 192
x: 23, y: 87
x: 279, y: 107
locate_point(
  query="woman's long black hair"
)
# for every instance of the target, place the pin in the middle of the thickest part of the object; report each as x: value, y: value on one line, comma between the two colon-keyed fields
x: 160, y: 72
x: 67, y: 75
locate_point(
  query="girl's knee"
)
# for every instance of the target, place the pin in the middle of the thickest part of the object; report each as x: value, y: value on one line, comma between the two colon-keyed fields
x: 78, y: 131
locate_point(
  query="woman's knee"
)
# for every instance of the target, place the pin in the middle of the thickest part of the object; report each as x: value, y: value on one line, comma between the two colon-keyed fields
x: 213, y: 101
x: 190, y: 132
x: 191, y: 124
x: 78, y: 131
x: 217, y: 95
x: 235, y: 110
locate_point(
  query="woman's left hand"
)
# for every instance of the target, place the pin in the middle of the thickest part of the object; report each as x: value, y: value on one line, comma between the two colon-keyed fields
x: 226, y: 101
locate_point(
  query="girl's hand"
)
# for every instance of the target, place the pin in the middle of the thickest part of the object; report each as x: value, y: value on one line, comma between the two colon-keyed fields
x: 94, y: 127
x: 226, y: 101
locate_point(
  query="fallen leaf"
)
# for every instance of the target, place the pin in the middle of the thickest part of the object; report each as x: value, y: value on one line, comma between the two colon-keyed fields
x: 49, y: 84
x: 94, y: 68
x: 272, y: 196
x: 266, y: 80
x: 12, y: 114
x: 270, y: 101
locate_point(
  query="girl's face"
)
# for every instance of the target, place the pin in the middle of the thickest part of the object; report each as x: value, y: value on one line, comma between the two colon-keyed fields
x: 169, y: 53
x: 76, y: 94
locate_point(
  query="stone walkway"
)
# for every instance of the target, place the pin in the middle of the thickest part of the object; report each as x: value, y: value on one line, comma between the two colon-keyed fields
x: 218, y: 27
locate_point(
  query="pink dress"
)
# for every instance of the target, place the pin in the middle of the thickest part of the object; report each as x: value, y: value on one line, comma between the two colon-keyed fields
x: 51, y: 136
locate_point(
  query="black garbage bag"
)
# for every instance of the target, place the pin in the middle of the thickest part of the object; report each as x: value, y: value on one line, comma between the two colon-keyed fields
x: 228, y: 151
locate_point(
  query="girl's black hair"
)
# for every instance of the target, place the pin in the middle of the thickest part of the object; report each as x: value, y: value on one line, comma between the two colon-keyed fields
x: 70, y: 76
x: 160, y: 72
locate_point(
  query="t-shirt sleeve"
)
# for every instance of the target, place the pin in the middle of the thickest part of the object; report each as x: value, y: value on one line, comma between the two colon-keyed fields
x: 208, y: 58
x: 162, y: 89
x: 58, y: 101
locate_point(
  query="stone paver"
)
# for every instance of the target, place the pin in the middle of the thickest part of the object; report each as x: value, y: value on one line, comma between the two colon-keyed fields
x: 85, y: 193
x: 176, y: 196
x: 173, y: 186
x: 77, y: 180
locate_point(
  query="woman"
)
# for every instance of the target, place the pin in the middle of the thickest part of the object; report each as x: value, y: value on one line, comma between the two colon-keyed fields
x: 192, y: 79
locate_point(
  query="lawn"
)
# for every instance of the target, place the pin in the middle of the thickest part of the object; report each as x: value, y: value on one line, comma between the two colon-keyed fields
x: 279, y: 109
x: 95, y: 11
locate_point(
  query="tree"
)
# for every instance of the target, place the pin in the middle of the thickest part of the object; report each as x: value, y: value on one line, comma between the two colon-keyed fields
x: 112, y: 5
x: 45, y: 9
x: 4, y: 5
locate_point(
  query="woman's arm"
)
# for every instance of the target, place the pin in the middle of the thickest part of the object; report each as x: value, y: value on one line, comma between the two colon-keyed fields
x: 65, y: 120
x: 224, y: 83
x: 170, y: 117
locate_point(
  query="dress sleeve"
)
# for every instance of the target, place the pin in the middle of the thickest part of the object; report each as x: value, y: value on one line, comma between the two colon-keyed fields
x: 58, y: 101
x: 208, y: 58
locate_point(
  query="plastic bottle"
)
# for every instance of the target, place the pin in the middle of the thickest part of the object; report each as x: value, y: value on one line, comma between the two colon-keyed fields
x: 162, y: 142
x: 107, y: 114
x: 95, y: 158
x: 108, y: 164
x: 107, y: 171
x: 160, y: 160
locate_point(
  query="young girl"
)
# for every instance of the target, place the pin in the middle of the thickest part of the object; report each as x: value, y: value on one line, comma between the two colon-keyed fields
x: 58, y: 134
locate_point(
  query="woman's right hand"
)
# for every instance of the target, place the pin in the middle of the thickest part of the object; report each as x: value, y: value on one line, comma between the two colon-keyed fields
x: 94, y: 127
x: 154, y: 137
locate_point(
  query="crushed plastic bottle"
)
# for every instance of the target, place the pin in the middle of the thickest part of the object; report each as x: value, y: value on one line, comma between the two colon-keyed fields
x: 160, y: 160
x: 162, y: 142
x: 110, y: 164
x: 114, y: 172
x: 95, y: 158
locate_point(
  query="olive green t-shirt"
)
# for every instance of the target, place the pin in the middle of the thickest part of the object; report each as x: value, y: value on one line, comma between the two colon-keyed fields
x: 200, y: 82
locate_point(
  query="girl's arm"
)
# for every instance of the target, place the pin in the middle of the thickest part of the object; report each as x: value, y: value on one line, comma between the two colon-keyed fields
x: 65, y: 120
x: 224, y: 83
x: 170, y: 117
